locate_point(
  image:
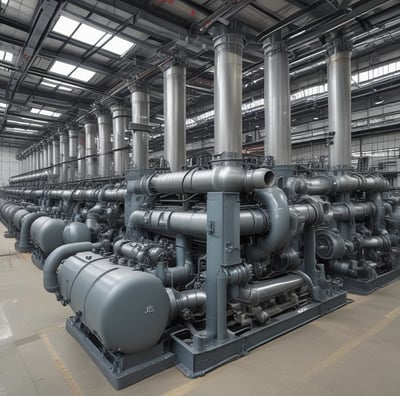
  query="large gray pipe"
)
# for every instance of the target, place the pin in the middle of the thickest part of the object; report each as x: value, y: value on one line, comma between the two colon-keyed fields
x: 64, y: 157
x: 105, y: 131
x: 325, y: 185
x: 24, y: 244
x: 140, y: 101
x: 339, y: 102
x: 252, y: 221
x: 56, y: 157
x: 120, y: 116
x: 35, y: 159
x: 50, y: 155
x: 220, y: 178
x: 175, y: 116
x: 277, y: 101
x: 73, y: 152
x: 45, y: 155
x: 228, y: 94
x: 81, y: 155
x: 274, y: 199
x: 91, y: 132
x: 259, y: 292
x: 53, y: 261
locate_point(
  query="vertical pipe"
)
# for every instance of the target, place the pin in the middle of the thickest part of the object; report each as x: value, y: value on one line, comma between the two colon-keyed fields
x: 140, y: 101
x: 56, y: 157
x: 81, y: 155
x: 37, y: 161
x: 91, y: 131
x: 40, y: 157
x: 45, y: 155
x: 175, y: 115
x: 277, y: 101
x: 50, y: 155
x: 73, y: 133
x: 120, y: 115
x: 64, y: 157
x: 339, y: 102
x: 104, y: 143
x: 228, y: 95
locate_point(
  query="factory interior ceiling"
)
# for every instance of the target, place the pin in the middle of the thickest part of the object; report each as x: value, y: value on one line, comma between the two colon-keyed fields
x: 59, y: 58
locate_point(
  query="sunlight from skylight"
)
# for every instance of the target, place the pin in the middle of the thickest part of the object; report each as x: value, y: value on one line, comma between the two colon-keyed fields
x: 61, y: 88
x: 6, y: 56
x: 44, y: 112
x: 4, y: 2
x: 3, y: 105
x: 88, y: 34
x: 92, y: 36
x: 82, y: 74
x: 65, y: 26
x: 72, y: 71
x: 118, y: 46
x: 62, y: 68
x: 48, y: 82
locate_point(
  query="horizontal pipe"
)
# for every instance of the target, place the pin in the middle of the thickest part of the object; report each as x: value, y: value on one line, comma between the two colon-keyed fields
x: 42, y: 176
x: 220, y: 178
x: 256, y: 293
x: 325, y: 185
x: 252, y: 221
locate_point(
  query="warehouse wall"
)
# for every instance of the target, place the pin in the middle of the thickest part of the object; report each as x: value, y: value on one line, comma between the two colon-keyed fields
x: 9, y: 166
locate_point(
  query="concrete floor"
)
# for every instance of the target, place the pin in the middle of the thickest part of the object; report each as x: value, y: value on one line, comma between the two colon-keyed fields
x: 353, y: 351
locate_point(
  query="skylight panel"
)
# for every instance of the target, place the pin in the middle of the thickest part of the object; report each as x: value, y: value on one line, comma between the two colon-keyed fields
x: 6, y: 56
x: 47, y: 84
x: 82, y: 74
x: 4, y: 2
x: 105, y: 38
x: 62, y: 68
x: 65, y: 26
x: 35, y: 110
x: 88, y: 34
x: 57, y: 114
x: 3, y: 105
x: 62, y: 88
x: 118, y: 46
x: 46, y: 113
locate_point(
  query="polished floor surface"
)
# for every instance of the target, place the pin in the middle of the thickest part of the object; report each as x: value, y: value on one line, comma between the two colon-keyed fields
x: 353, y: 351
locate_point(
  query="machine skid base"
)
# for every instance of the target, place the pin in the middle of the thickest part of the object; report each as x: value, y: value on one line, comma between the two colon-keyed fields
x: 368, y: 286
x: 130, y: 368
x: 194, y: 363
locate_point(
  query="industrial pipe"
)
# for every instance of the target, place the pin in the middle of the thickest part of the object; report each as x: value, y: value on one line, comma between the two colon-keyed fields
x: 54, y: 260
x: 120, y: 118
x: 91, y: 131
x: 220, y: 178
x: 252, y: 221
x: 175, y: 116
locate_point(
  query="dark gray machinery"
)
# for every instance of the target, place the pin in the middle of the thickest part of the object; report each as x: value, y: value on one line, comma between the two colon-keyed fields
x: 196, y: 267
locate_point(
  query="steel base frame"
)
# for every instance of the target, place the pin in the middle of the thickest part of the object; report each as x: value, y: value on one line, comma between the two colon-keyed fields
x: 368, y: 286
x: 119, y: 369
x: 194, y: 362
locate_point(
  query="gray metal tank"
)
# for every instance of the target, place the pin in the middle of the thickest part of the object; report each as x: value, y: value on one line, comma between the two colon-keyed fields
x: 47, y: 233
x: 76, y: 232
x: 128, y: 310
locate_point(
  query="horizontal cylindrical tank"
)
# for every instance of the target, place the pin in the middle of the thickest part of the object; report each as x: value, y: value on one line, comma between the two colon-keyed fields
x: 127, y: 310
x: 47, y: 233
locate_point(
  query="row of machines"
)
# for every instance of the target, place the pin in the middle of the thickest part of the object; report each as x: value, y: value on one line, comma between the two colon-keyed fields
x: 198, y: 267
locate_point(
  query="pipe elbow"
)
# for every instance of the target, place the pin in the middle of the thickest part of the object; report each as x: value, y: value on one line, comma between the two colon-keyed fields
x: 53, y: 261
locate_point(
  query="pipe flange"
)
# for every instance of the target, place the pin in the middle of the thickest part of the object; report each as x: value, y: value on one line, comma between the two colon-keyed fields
x: 329, y: 245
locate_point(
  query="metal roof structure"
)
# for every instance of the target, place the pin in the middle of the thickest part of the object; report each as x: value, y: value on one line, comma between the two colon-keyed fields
x: 57, y: 58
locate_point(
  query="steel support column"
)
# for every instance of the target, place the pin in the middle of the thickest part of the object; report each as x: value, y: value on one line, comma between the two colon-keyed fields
x: 339, y: 102
x: 91, y: 132
x: 277, y: 101
x: 140, y: 100
x: 120, y: 116
x: 64, y: 157
x: 56, y: 157
x: 73, y: 133
x: 81, y: 155
x: 104, y: 123
x: 228, y: 94
x: 175, y: 115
